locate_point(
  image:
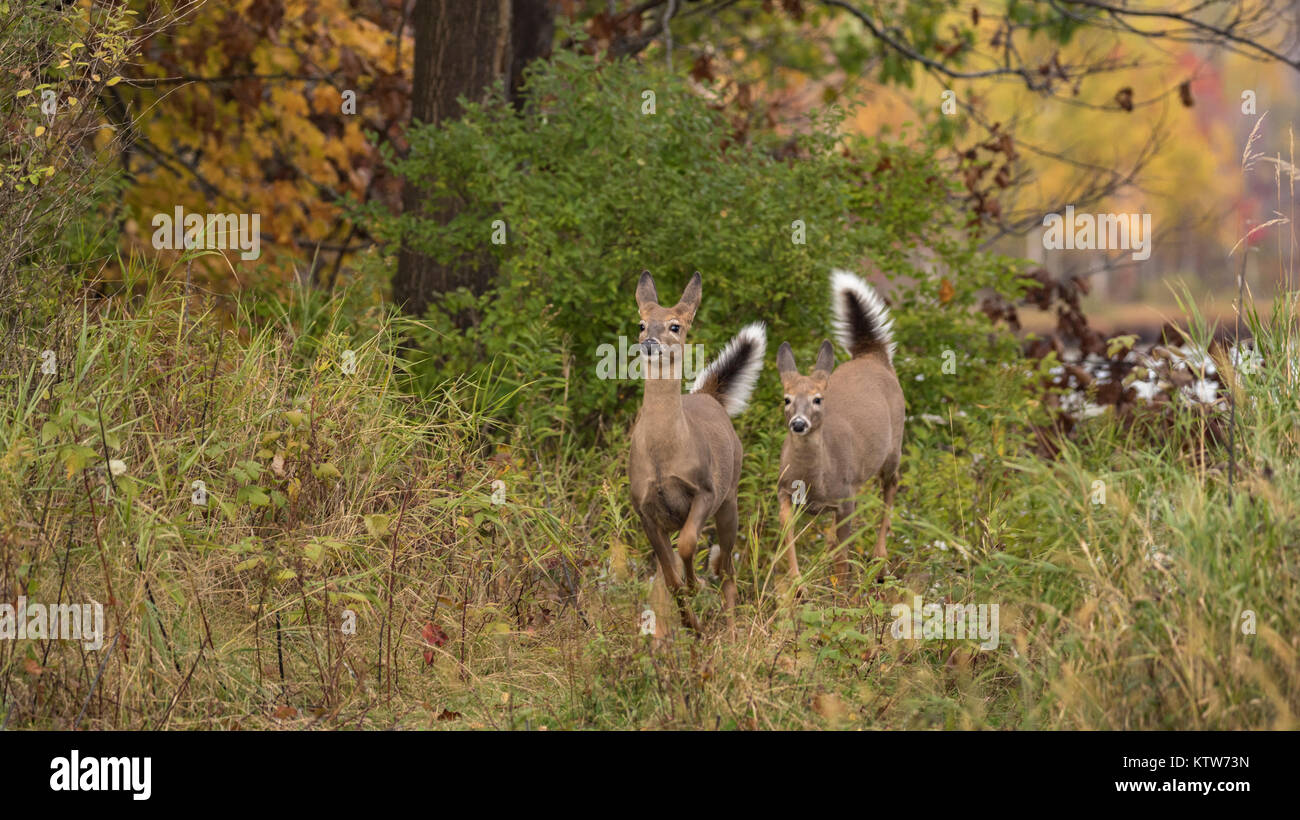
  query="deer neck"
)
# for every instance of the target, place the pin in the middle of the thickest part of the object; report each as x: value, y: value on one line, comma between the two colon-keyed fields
x: 661, y: 410
x: 811, y: 453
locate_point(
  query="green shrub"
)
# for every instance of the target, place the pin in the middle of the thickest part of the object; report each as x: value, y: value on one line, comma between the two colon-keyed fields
x: 593, y: 186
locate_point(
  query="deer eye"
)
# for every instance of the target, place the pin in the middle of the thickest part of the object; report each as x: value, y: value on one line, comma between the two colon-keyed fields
x: 675, y: 328
x: 787, y: 400
x: 817, y: 400
x: 643, y: 327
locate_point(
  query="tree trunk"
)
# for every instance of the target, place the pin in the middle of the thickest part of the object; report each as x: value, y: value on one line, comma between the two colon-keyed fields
x: 461, y: 49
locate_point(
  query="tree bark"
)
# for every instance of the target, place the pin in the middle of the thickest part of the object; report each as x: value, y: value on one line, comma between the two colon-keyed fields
x: 461, y: 49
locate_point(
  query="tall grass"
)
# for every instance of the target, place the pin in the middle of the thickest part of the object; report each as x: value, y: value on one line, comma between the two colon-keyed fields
x: 335, y: 496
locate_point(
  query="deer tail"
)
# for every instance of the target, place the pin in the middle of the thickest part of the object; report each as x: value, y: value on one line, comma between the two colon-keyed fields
x: 730, y: 378
x: 861, y: 318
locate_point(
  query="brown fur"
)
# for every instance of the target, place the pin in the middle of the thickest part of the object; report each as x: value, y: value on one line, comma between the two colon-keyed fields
x: 854, y: 433
x: 684, y: 464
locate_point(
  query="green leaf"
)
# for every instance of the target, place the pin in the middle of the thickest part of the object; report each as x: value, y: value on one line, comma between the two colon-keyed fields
x: 251, y: 563
x: 314, y: 550
x: 326, y: 472
x: 254, y: 495
x: 75, y: 457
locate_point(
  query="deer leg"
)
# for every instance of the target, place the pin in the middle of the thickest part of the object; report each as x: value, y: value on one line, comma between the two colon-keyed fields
x: 787, y: 533
x: 838, y: 539
x: 728, y: 521
x: 830, y: 533
x: 670, y: 569
x: 888, y: 487
x: 689, y: 537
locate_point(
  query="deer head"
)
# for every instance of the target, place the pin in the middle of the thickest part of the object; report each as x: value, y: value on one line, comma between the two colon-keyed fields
x: 663, y: 329
x: 803, y: 394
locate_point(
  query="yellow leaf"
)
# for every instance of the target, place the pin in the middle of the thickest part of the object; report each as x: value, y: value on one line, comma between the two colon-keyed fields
x: 40, y: 129
x: 376, y: 525
x: 113, y: 82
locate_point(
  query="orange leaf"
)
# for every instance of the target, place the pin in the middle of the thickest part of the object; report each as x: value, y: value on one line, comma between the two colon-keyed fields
x: 946, y: 292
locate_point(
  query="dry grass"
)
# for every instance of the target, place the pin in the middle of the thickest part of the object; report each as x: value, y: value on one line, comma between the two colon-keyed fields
x: 333, y: 492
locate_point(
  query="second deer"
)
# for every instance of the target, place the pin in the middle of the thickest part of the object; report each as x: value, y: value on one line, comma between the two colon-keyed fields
x: 845, y: 423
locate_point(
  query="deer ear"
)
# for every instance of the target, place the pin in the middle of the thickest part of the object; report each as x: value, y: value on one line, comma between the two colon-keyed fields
x: 785, y: 361
x: 645, y: 290
x: 690, y: 301
x: 825, y: 358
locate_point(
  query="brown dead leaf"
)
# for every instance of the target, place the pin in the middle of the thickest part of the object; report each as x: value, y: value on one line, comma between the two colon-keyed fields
x: 702, y: 70
x: 434, y: 637
x: 434, y: 634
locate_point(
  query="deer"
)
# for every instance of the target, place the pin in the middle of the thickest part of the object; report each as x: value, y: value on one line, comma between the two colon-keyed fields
x: 845, y: 423
x: 685, y: 457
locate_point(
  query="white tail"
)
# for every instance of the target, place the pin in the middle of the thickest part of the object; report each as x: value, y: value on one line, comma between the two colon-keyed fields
x: 860, y: 317
x: 731, y: 377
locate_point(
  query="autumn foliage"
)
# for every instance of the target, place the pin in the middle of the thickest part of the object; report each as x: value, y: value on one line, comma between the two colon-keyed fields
x: 273, y: 107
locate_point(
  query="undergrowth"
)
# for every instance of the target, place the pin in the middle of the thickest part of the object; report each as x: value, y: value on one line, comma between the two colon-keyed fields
x: 366, y: 558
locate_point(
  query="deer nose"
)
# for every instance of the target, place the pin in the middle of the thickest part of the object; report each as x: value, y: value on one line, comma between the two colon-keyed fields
x: 799, y: 424
x: 650, y: 346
